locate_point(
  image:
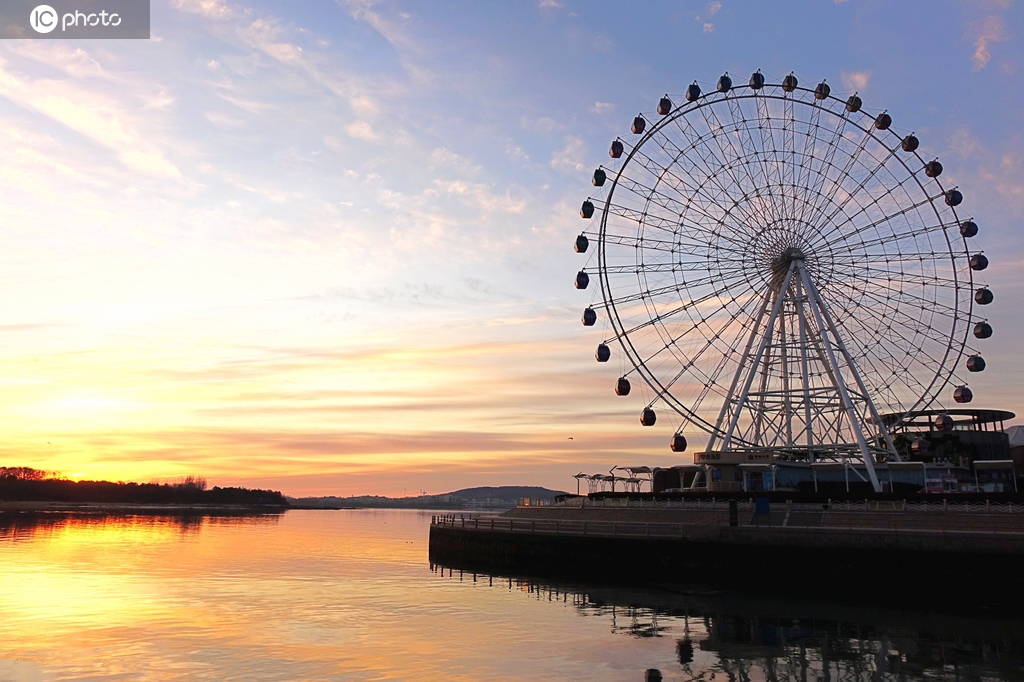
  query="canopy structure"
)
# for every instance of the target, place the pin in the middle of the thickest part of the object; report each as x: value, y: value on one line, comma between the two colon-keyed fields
x: 995, y: 464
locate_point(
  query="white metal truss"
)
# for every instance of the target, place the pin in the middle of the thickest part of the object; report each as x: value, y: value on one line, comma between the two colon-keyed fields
x: 796, y: 392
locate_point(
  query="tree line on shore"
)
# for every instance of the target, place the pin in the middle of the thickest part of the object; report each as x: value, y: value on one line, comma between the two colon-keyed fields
x: 24, y: 484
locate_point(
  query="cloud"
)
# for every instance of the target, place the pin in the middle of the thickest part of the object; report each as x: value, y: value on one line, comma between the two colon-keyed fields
x: 570, y: 157
x: 442, y: 156
x: 393, y: 32
x: 856, y: 80
x: 992, y: 30
x: 363, y: 106
x: 101, y: 119
x: 545, y: 124
x: 516, y: 153
x: 549, y: 4
x: 212, y: 9
x: 601, y: 107
x: 361, y: 130
x: 711, y: 10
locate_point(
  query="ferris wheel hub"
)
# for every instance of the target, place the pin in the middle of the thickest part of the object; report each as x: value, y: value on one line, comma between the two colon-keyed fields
x: 780, y: 264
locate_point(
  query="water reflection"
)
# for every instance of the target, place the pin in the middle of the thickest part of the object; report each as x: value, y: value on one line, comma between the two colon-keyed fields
x: 720, y: 635
x: 32, y: 525
x: 349, y: 595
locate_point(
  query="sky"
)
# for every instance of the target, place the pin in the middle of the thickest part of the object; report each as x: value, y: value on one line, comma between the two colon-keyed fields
x: 326, y: 246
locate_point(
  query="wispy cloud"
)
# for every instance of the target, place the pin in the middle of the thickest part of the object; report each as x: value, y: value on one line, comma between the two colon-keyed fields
x: 570, y: 157
x: 990, y: 30
x: 103, y: 119
x: 856, y: 80
x: 211, y: 9
x: 710, y: 10
x: 361, y: 130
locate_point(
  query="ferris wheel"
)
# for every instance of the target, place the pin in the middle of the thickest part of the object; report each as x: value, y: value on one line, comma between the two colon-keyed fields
x: 781, y: 268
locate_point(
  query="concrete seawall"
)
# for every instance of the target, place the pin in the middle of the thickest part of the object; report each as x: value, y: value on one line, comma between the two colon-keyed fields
x: 924, y: 554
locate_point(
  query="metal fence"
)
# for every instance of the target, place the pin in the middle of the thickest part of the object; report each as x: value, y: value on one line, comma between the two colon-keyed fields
x: 581, y: 528
x: 986, y: 507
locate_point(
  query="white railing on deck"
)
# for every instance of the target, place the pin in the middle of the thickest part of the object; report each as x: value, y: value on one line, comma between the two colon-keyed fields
x: 856, y: 505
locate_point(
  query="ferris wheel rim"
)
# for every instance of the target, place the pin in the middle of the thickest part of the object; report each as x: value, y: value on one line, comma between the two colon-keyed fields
x: 956, y: 346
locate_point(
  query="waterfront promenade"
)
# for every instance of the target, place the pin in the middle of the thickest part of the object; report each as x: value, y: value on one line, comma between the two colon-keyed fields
x: 899, y: 548
x: 926, y: 525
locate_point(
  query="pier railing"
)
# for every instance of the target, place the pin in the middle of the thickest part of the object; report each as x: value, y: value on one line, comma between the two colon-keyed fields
x: 927, y: 518
x: 986, y: 507
x: 579, y: 528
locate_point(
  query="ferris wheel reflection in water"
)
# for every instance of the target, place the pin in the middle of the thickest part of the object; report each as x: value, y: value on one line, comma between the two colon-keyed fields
x: 718, y: 635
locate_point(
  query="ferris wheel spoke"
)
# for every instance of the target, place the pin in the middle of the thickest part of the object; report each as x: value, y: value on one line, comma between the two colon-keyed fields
x: 709, y: 172
x: 678, y: 184
x: 728, y: 153
x: 653, y: 294
x: 876, y: 264
x: 713, y: 191
x: 768, y: 143
x: 893, y: 311
x: 650, y: 193
x: 903, y: 370
x: 789, y: 152
x: 897, y: 319
x: 894, y: 237
x: 673, y: 267
x: 676, y: 239
x: 855, y: 192
x: 633, y: 241
x: 844, y: 173
x: 741, y: 157
x: 751, y: 150
x: 925, y: 305
x: 726, y: 357
x: 672, y: 341
x: 826, y: 163
x: 899, y: 325
x: 884, y: 219
x: 662, y: 222
x: 923, y: 280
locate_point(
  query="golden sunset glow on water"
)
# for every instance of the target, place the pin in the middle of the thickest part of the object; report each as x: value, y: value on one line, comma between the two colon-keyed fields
x: 307, y: 595
x: 350, y: 595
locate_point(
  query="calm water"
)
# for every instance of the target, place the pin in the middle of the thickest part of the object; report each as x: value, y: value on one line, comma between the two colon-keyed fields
x: 350, y: 595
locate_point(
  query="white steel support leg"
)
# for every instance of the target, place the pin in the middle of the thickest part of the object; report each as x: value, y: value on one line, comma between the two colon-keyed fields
x: 856, y: 375
x: 769, y: 332
x: 739, y: 373
x: 766, y: 362
x: 787, y: 400
x: 815, y: 305
x: 803, y: 367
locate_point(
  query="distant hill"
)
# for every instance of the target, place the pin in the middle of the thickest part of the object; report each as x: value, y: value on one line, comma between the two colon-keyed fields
x: 491, y: 497
x: 505, y: 492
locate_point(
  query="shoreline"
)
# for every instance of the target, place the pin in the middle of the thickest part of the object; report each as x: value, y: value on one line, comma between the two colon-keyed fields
x: 134, y: 507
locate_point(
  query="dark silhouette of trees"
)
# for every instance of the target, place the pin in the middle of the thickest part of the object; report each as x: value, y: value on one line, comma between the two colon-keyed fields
x: 23, y: 484
x: 27, y: 474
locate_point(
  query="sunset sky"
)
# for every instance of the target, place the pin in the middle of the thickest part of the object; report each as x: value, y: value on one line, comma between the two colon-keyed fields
x: 326, y: 247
